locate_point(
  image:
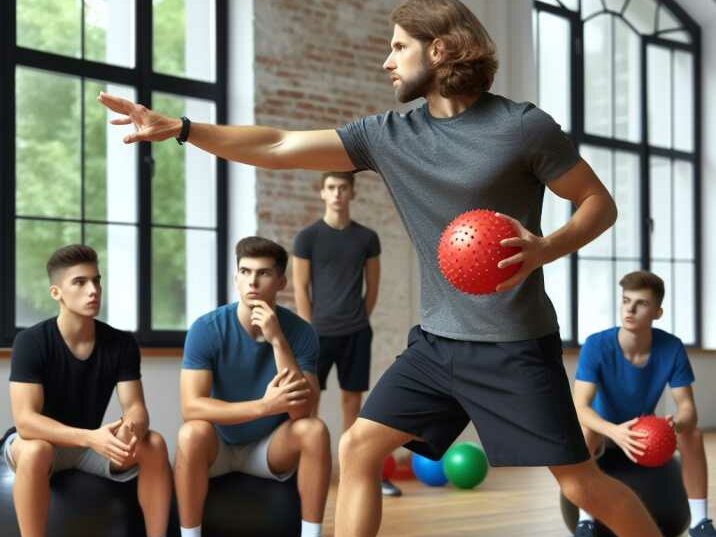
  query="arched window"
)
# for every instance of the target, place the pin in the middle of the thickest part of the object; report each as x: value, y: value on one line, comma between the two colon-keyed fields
x: 622, y: 77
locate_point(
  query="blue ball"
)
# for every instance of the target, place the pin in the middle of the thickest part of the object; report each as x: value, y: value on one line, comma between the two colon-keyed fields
x: 428, y: 471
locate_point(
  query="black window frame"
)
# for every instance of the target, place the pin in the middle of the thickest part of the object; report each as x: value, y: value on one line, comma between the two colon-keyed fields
x: 642, y: 149
x: 144, y: 81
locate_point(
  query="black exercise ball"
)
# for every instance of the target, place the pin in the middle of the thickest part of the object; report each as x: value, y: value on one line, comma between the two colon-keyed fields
x: 660, y: 489
x: 243, y: 505
x: 83, y: 505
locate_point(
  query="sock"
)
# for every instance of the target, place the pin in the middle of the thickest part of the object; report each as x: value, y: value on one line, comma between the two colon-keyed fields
x: 309, y: 529
x: 583, y: 515
x: 190, y: 532
x: 698, y: 511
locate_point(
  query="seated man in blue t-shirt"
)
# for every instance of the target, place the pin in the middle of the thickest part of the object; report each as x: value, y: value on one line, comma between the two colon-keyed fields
x: 621, y: 375
x: 248, y: 387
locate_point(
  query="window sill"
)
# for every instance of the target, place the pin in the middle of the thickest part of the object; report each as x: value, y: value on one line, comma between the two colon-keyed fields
x: 147, y: 352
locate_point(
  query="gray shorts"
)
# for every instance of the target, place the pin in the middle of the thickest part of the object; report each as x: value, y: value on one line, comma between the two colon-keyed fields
x: 83, y: 459
x: 251, y: 459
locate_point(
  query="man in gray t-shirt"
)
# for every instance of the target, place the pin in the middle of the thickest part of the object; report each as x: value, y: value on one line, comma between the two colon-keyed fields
x: 494, y: 360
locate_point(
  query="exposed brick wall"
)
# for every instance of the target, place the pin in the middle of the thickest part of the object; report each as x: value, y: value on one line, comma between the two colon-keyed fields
x: 318, y: 65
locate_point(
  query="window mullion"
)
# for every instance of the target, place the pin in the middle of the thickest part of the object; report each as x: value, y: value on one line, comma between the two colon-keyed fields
x: 7, y: 173
x: 144, y: 171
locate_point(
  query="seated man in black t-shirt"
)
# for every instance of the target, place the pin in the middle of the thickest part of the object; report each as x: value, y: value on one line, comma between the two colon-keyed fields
x: 62, y: 376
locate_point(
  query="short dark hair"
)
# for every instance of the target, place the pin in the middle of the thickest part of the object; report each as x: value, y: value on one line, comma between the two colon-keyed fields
x: 69, y: 256
x: 346, y: 176
x: 470, y: 60
x: 260, y: 247
x: 643, y: 279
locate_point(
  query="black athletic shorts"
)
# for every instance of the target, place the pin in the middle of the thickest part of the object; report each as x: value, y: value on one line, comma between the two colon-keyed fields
x: 351, y: 354
x: 517, y: 395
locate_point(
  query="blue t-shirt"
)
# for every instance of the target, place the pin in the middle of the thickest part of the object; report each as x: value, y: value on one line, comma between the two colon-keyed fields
x: 242, y: 367
x: 625, y: 391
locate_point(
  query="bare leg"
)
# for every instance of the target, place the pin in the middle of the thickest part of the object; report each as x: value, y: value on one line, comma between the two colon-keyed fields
x: 362, y: 450
x: 350, y: 404
x: 594, y: 441
x: 197, y: 448
x: 306, y: 443
x: 693, y: 463
x: 31, y: 492
x: 154, y: 485
x: 607, y: 499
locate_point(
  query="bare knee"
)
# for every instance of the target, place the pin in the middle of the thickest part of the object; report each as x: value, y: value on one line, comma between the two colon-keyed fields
x: 194, y: 438
x: 355, y: 445
x: 576, y: 492
x: 35, y: 456
x: 581, y: 484
x: 152, y: 447
x: 351, y: 398
x: 311, y: 432
x: 690, y: 435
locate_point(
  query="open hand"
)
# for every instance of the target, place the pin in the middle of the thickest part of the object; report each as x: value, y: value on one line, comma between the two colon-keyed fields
x: 150, y: 126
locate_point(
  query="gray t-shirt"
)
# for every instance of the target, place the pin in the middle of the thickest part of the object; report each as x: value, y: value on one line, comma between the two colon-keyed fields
x: 496, y: 155
x: 337, y: 259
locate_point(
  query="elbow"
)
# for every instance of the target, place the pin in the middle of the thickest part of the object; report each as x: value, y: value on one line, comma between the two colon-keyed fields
x: 24, y: 428
x: 613, y: 212
x: 189, y: 411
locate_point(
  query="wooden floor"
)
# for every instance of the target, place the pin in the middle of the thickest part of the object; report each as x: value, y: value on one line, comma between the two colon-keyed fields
x: 511, y: 502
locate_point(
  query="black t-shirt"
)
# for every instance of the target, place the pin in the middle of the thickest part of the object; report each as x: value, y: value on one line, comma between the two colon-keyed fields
x: 337, y: 259
x: 76, y: 392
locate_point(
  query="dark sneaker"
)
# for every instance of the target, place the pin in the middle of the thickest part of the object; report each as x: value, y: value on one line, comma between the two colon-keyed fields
x: 585, y: 528
x: 705, y: 528
x: 388, y: 489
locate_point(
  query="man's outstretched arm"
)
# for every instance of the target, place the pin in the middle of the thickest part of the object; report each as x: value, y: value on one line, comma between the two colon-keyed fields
x: 265, y: 147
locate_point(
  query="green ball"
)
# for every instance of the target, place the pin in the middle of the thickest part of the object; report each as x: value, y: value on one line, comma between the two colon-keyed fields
x: 465, y: 465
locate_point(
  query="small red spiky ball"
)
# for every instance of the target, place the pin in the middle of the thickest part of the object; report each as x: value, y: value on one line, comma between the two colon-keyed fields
x: 660, y: 442
x: 469, y: 250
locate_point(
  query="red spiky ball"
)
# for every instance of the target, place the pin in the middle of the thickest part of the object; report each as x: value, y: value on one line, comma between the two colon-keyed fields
x: 660, y: 442
x: 469, y: 251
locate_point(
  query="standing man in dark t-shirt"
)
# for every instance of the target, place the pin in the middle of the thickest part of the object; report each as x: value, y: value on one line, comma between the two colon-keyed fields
x: 62, y: 376
x: 331, y: 259
x: 491, y: 359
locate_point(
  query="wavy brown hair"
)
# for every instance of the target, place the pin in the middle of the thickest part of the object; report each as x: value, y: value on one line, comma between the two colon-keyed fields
x: 469, y: 63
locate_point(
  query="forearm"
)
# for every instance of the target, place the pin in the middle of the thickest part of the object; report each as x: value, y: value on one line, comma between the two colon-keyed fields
x: 303, y: 304
x: 589, y: 419
x: 254, y: 145
x: 595, y: 214
x: 371, y: 298
x: 286, y: 360
x: 223, y: 412
x: 39, y: 427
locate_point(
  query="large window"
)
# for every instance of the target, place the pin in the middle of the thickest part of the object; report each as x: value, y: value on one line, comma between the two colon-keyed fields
x: 622, y: 78
x: 155, y: 213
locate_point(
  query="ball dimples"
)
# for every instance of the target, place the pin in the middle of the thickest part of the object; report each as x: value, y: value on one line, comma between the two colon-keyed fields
x: 465, y: 465
x: 469, y: 250
x: 660, y: 442
x: 428, y: 471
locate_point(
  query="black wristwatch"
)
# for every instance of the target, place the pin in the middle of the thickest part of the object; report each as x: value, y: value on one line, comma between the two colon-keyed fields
x: 184, y: 133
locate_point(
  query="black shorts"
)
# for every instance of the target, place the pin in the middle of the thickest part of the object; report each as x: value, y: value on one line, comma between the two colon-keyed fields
x: 351, y: 354
x: 517, y: 395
